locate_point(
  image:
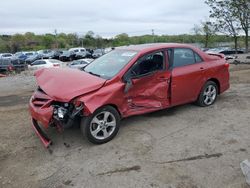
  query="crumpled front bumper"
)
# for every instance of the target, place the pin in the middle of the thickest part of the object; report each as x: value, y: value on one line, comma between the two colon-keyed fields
x: 41, y: 134
x: 41, y: 113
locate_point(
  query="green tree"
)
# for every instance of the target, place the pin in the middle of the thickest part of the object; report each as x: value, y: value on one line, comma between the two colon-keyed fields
x: 121, y: 40
x: 241, y: 10
x: 225, y: 21
x: 206, y: 29
x: 230, y: 14
x: 48, y: 40
x: 17, y: 42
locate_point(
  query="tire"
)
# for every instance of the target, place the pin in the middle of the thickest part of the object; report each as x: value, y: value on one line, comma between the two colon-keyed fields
x: 100, y: 129
x: 208, y: 94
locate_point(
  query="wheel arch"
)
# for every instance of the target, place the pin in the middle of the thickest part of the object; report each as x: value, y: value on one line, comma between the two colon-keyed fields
x: 115, y: 107
x: 112, y: 105
x: 215, y: 81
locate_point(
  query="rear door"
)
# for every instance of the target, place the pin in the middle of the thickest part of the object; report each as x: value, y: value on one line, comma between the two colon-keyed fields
x: 150, y: 83
x: 187, y: 76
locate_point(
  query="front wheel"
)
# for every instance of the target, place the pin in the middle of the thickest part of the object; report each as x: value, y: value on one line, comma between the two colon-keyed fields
x: 102, y: 126
x: 208, y: 94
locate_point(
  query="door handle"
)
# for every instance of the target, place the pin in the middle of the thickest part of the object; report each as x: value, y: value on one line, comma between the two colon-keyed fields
x: 201, y: 68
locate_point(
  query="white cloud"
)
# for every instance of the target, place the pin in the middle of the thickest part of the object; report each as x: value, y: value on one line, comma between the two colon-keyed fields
x: 106, y: 18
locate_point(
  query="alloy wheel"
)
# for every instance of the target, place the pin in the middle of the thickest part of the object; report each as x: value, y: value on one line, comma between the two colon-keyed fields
x: 209, y: 94
x: 102, y: 125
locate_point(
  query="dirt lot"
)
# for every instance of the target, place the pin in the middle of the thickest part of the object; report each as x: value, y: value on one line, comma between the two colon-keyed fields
x: 186, y: 146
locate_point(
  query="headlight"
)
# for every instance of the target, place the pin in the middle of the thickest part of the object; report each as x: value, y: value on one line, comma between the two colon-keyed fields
x: 60, y: 112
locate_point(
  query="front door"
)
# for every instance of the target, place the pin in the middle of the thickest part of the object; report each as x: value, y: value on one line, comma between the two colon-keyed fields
x: 150, y: 84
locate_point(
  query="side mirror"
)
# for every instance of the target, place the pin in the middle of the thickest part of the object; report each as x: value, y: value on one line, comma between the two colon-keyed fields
x: 128, y: 85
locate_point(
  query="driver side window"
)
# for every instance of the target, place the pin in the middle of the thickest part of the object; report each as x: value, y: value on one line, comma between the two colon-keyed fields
x: 147, y: 64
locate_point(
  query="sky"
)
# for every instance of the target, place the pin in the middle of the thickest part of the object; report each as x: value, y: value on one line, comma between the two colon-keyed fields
x: 106, y: 18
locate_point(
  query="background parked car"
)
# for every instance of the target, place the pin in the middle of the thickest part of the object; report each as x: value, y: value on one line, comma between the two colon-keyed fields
x: 56, y: 54
x: 6, y: 65
x: 67, y: 56
x: 45, y: 63
x: 98, y: 53
x: 46, y: 54
x: 79, y: 52
x: 228, y: 52
x: 80, y: 63
x: 22, y: 56
x: 89, y: 53
x: 12, y: 65
x: 6, y: 56
x: 34, y: 57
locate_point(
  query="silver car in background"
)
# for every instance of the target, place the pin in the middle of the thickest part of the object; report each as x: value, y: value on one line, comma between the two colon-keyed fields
x: 80, y: 63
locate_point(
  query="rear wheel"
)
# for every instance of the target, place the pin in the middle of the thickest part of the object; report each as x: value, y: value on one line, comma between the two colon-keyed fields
x: 208, y: 94
x: 102, y: 126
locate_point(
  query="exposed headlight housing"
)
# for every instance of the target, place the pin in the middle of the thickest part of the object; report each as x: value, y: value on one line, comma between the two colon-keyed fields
x: 60, y: 112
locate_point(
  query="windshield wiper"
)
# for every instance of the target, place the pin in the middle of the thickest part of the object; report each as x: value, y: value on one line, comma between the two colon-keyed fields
x: 94, y: 74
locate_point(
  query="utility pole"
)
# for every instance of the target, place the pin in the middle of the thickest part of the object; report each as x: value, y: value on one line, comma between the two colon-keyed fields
x: 153, y: 35
x: 56, y: 38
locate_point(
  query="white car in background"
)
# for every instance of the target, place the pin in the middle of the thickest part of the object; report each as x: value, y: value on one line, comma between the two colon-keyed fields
x: 45, y: 63
x: 79, y: 52
x: 6, y: 56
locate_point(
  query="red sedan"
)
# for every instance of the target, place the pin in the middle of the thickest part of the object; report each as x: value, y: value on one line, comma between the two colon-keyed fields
x: 127, y: 81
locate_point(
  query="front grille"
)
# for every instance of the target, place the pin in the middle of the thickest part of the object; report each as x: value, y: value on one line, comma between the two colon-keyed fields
x: 40, y: 98
x: 39, y: 102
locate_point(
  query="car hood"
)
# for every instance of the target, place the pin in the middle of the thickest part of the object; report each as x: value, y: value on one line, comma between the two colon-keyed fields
x: 65, y: 84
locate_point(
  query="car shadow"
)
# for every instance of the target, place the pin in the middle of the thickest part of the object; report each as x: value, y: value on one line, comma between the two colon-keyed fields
x: 72, y: 138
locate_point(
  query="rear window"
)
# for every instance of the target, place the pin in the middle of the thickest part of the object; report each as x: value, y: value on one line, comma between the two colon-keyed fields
x: 183, y: 57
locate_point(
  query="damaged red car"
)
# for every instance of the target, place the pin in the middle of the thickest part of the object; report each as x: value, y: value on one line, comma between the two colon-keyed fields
x: 127, y: 81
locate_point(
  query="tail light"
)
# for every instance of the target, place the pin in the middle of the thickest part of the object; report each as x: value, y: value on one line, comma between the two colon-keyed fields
x: 226, y: 65
x: 10, y: 68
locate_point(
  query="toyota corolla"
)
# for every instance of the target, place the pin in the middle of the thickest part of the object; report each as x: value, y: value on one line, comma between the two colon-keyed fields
x: 127, y: 81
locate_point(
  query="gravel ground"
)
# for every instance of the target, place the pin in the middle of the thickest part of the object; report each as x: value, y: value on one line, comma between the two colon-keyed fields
x: 182, y: 147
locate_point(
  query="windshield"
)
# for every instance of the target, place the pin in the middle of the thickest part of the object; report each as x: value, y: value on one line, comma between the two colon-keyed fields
x: 110, y: 64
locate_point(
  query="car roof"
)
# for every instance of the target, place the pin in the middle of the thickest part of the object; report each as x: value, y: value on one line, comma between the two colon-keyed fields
x: 154, y: 46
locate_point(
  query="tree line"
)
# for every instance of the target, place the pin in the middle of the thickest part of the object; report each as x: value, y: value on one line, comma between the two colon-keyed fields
x: 30, y: 41
x: 228, y: 17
